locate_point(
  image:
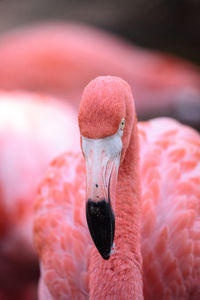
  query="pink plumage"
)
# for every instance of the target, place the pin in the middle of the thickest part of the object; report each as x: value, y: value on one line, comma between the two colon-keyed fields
x: 33, y: 129
x: 157, y: 250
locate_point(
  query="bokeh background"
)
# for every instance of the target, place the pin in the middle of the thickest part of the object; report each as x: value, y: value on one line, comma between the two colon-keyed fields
x: 171, y: 26
x: 49, y: 50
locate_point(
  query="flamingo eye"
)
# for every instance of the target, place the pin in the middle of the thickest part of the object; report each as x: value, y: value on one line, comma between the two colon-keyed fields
x: 122, y: 124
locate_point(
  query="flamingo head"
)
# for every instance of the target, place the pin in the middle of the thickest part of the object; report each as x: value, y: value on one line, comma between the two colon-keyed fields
x: 105, y: 122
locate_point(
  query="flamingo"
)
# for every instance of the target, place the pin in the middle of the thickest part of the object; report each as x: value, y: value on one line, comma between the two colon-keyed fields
x: 33, y: 129
x: 135, y: 235
x: 59, y: 58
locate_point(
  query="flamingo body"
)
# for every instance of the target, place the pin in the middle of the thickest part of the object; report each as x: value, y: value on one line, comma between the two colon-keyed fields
x: 170, y: 208
x: 71, y: 268
x: 65, y: 254
x: 170, y: 223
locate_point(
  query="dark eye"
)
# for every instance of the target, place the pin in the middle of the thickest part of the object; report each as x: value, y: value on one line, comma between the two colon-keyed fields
x: 122, y: 124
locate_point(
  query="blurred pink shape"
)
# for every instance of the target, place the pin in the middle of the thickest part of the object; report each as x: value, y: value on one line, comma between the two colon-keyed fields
x: 61, y: 58
x: 33, y: 130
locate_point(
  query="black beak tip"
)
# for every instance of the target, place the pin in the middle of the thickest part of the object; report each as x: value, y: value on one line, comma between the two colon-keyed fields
x: 101, y: 224
x: 106, y: 256
x: 104, y: 252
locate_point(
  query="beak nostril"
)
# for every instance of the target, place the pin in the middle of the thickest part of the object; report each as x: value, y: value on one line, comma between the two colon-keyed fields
x: 97, y: 185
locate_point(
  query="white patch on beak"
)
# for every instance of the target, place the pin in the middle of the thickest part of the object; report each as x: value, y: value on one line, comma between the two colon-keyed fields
x: 102, y: 157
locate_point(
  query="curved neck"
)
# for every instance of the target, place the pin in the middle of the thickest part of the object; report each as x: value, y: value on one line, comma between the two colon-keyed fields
x: 121, y: 276
x: 128, y: 193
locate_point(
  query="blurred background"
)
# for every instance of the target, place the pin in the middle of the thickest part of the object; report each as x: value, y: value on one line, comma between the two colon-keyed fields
x: 171, y: 26
x: 49, y: 50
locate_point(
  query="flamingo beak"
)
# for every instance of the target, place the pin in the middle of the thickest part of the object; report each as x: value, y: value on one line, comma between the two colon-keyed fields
x: 102, y: 163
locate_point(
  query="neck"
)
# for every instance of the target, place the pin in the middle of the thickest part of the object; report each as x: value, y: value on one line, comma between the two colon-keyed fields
x: 121, y: 276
